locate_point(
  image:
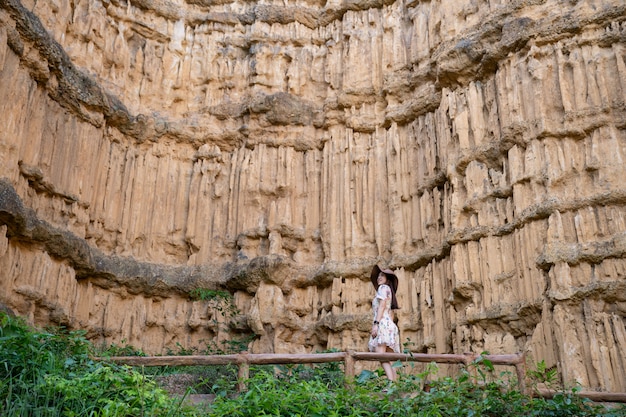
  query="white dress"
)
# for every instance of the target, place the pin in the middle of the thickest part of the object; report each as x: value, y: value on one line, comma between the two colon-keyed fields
x: 387, y: 330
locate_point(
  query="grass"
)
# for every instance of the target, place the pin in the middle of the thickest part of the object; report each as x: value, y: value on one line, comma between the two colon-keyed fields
x: 50, y: 373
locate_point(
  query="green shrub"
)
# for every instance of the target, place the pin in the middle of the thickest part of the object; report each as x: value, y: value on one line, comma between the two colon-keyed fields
x: 306, y: 391
x: 120, y: 350
x: 51, y: 373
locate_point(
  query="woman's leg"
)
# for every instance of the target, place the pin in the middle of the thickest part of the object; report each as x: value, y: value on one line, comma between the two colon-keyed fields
x: 393, y: 370
x: 389, y: 371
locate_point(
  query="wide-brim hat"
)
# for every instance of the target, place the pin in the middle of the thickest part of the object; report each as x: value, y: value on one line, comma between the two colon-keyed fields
x: 392, y: 279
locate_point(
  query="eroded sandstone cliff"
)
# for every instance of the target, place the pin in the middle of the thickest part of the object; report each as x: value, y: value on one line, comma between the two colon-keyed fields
x: 278, y: 150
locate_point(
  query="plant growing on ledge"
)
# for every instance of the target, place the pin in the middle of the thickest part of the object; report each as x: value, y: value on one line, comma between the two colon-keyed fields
x: 223, y: 304
x: 219, y: 300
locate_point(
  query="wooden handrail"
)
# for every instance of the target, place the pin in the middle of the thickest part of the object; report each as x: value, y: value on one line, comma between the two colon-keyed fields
x: 287, y: 358
x: 466, y: 358
x: 249, y: 358
x: 598, y: 396
x: 244, y: 360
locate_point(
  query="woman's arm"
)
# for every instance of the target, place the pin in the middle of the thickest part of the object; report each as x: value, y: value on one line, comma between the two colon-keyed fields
x: 379, y: 315
x: 381, y: 309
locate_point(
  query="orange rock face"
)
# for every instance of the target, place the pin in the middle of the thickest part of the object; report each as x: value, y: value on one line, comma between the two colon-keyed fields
x: 278, y: 151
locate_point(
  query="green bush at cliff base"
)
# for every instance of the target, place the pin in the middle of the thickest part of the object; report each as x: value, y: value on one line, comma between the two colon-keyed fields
x: 472, y: 393
x: 50, y: 373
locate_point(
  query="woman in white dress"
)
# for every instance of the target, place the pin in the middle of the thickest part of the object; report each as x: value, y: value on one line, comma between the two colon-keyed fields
x: 385, y: 335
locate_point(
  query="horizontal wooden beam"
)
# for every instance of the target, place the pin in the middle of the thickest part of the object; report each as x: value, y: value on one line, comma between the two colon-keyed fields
x: 243, y: 360
x: 250, y: 358
x: 509, y: 359
x: 597, y: 396
x: 286, y: 358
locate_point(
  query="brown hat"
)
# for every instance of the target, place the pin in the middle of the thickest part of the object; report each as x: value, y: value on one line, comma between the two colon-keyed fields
x: 392, y: 279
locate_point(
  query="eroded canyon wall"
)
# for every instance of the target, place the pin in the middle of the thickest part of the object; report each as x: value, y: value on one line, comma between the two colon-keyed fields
x: 278, y: 150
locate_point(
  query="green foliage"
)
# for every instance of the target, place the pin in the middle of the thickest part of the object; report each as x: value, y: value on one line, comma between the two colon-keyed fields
x: 227, y: 347
x: 182, y: 351
x: 50, y: 373
x: 477, y: 391
x: 329, y: 374
x: 269, y: 394
x: 212, y: 379
x: 222, y: 301
x: 408, y: 346
x: 121, y: 350
x: 222, y: 380
x: 544, y: 375
x: 207, y: 294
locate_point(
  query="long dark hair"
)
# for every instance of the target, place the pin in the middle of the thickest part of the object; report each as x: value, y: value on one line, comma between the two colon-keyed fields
x: 392, y: 282
x: 394, y: 301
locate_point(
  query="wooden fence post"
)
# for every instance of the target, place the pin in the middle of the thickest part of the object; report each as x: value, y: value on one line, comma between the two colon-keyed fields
x: 520, y: 369
x: 243, y: 373
x: 349, y: 367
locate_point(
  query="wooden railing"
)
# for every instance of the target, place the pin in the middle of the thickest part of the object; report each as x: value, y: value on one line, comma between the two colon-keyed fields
x: 244, y: 360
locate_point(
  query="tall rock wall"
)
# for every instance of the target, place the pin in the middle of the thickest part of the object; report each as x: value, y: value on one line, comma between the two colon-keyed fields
x: 278, y: 150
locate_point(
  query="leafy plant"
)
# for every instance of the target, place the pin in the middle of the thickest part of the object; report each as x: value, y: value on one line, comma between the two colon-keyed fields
x: 51, y: 373
x: 408, y: 347
x: 226, y: 347
x: 223, y: 305
x: 121, y: 350
x: 544, y: 375
x: 221, y: 301
x: 182, y: 351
